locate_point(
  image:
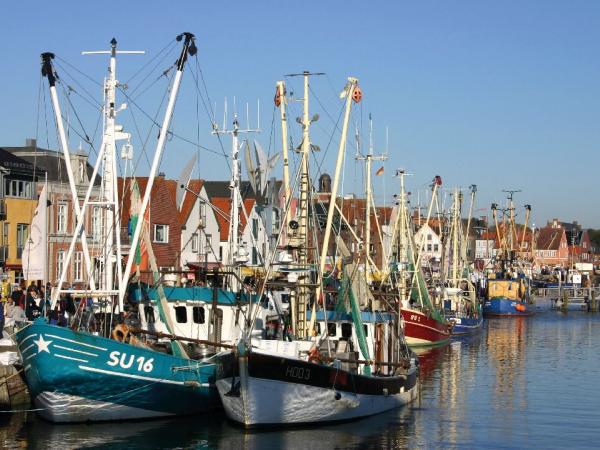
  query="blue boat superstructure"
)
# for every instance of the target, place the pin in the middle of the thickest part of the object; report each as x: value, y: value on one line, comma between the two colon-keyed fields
x: 507, y: 297
x: 78, y: 377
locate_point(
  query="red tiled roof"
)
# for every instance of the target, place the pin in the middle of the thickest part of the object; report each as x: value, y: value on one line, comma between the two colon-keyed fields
x: 549, y: 238
x: 189, y: 200
x: 223, y: 206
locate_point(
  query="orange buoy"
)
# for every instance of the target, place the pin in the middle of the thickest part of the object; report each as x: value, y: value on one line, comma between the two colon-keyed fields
x: 357, y: 95
x: 277, y: 98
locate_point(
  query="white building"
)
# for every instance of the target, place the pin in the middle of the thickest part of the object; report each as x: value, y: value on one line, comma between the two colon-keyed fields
x: 430, y: 243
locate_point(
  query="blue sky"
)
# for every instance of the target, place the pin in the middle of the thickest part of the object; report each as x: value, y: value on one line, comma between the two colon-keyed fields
x: 500, y: 94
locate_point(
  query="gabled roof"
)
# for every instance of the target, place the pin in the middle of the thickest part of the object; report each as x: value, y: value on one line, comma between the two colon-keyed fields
x: 159, y: 183
x: 221, y: 189
x: 189, y: 200
x: 549, y: 238
x: 223, y: 205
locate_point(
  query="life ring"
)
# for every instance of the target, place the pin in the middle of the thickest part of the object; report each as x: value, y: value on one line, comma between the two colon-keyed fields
x: 120, y: 333
x: 357, y: 95
x: 277, y: 98
x: 314, y: 356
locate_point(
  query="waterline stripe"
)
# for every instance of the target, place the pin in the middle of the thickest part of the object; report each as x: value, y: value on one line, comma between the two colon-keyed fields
x: 74, y: 350
x: 137, y: 377
x: 75, y: 342
x: 69, y: 357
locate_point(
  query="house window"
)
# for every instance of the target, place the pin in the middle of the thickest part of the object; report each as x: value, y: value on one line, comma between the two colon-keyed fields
x: 220, y: 253
x: 161, y: 234
x: 61, y: 218
x: 428, y: 247
x: 22, y: 234
x: 436, y: 247
x: 17, y: 188
x: 181, y: 314
x: 254, y: 256
x: 429, y: 237
x: 194, y: 243
x: 60, y: 262
x: 198, y: 314
x: 255, y: 228
x: 5, y: 229
x: 78, y: 265
x: 96, y: 223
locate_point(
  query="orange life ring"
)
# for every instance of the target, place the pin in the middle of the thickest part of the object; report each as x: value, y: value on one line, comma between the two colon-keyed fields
x: 120, y: 333
x: 314, y: 356
x: 277, y: 98
x: 357, y: 95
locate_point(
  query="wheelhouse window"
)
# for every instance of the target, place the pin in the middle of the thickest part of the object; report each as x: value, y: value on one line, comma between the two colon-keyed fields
x: 331, y: 329
x: 161, y: 234
x: 198, y: 314
x: 181, y: 314
x: 346, y: 330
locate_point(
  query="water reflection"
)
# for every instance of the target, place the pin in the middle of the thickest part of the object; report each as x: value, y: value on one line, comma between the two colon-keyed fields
x: 512, y: 386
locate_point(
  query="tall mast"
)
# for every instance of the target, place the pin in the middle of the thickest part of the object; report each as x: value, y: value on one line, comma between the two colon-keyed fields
x: 49, y: 72
x: 369, y: 158
x: 455, y: 236
x: 351, y: 93
x: 189, y: 47
x: 473, y: 189
x: 280, y: 101
x: 235, y: 255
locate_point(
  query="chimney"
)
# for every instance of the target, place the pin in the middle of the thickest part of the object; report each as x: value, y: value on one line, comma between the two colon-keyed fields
x: 30, y: 142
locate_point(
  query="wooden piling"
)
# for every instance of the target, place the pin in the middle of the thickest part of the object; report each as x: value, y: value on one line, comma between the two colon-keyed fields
x: 13, y: 390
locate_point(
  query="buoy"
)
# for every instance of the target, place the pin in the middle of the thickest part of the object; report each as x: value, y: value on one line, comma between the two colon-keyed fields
x: 277, y: 98
x: 357, y: 95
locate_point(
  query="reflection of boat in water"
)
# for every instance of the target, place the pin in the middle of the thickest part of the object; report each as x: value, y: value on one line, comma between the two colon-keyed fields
x: 429, y: 359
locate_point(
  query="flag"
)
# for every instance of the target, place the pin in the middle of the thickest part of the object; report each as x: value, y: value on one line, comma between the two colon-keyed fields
x: 141, y: 253
x: 379, y: 171
x: 34, y: 252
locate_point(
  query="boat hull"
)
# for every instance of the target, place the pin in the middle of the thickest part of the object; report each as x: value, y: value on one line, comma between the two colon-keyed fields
x: 421, y: 330
x: 78, y: 377
x: 466, y: 325
x: 501, y: 306
x: 270, y: 390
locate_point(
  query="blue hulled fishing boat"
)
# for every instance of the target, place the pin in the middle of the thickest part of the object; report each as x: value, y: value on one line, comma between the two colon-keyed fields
x: 96, y: 368
x: 76, y: 376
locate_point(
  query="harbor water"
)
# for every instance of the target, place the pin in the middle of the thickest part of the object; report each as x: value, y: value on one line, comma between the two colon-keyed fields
x: 526, y: 382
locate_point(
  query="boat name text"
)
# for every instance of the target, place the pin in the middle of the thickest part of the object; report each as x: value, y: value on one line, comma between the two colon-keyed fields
x: 120, y: 359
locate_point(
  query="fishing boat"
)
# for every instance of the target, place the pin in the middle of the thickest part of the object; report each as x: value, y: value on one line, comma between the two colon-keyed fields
x: 313, y: 374
x: 98, y: 368
x: 424, y: 322
x: 508, y: 287
x: 461, y: 306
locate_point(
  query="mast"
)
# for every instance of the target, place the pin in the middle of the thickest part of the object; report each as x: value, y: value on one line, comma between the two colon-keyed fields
x: 369, y: 158
x: 455, y: 236
x: 235, y: 256
x: 49, y: 72
x: 473, y: 189
x: 351, y: 93
x: 189, y: 47
x: 280, y: 102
